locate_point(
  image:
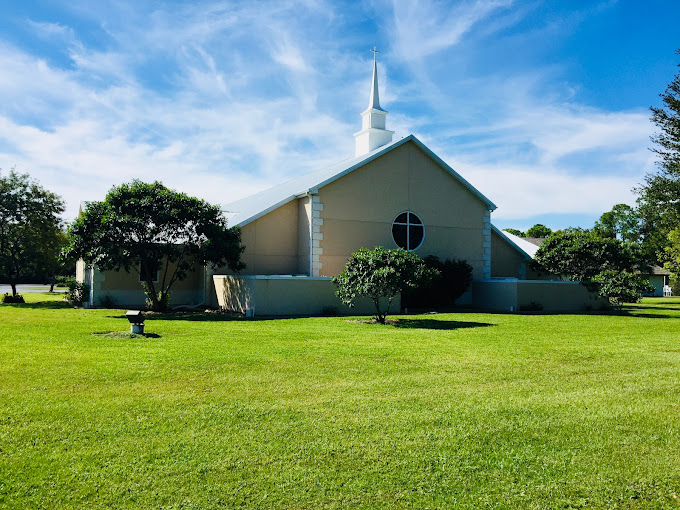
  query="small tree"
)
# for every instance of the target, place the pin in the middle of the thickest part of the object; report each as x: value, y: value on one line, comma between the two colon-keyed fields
x: 515, y: 232
x: 29, y: 227
x: 150, y: 229
x: 620, y: 287
x: 539, y: 230
x: 381, y: 274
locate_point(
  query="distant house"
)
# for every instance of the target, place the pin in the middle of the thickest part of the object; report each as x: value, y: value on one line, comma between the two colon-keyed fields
x: 658, y: 277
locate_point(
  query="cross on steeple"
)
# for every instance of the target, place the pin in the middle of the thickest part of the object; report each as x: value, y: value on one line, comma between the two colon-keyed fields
x: 374, y: 50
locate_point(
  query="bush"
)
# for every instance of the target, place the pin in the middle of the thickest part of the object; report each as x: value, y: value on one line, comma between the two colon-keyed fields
x: 381, y: 274
x: 620, y: 287
x: 443, y: 291
x: 77, y: 292
x: 107, y: 301
x: 531, y: 306
x: 9, y: 298
x: 63, y: 281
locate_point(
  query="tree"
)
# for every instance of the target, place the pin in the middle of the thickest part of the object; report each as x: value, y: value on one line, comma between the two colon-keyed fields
x: 579, y: 255
x: 515, y: 232
x: 539, y: 230
x: 29, y: 225
x: 153, y: 230
x: 672, y: 256
x: 55, y: 263
x: 659, y: 195
x: 623, y: 222
x: 620, y: 287
x: 381, y: 274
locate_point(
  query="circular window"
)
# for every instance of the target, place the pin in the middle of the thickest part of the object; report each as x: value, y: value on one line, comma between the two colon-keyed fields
x: 408, y: 231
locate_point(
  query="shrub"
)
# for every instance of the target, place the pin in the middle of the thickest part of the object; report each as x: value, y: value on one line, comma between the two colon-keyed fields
x: 531, y: 306
x: 9, y: 298
x: 381, y: 274
x: 455, y: 277
x: 107, y: 301
x: 63, y: 281
x: 77, y: 292
x: 329, y: 311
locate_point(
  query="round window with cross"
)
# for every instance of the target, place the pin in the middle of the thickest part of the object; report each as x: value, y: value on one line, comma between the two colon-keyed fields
x: 408, y: 231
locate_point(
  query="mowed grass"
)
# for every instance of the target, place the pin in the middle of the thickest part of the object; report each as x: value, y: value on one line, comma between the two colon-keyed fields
x: 464, y: 410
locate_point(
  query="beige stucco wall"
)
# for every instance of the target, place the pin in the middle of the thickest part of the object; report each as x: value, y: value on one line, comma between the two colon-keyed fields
x: 281, y: 295
x: 126, y: 289
x: 271, y: 242
x: 359, y: 208
x: 507, y: 294
x: 122, y: 280
x: 506, y: 261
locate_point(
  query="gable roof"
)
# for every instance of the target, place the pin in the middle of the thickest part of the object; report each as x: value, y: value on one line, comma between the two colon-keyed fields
x: 527, y: 249
x: 241, y: 212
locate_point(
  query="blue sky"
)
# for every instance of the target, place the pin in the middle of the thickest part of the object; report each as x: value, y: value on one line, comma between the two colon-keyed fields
x: 542, y: 105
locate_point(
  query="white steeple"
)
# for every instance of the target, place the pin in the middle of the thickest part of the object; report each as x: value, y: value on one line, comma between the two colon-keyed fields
x: 373, y: 133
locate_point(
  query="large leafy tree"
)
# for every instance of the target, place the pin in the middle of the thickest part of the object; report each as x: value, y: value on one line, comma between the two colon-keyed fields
x: 152, y: 230
x: 623, y: 222
x: 579, y: 255
x: 659, y: 200
x: 380, y: 274
x: 30, y: 224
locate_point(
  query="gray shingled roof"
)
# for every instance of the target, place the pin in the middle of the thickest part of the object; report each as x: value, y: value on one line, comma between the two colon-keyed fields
x: 242, y: 212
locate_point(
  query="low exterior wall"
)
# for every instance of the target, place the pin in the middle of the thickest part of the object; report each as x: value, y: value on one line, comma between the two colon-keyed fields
x: 511, y: 294
x: 286, y: 295
x: 126, y: 290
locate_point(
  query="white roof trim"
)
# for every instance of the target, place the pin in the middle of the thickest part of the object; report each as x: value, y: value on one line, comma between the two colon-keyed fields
x: 527, y: 249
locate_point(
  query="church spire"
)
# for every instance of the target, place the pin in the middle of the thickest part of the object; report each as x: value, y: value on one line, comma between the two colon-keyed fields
x: 374, y: 99
x: 373, y: 133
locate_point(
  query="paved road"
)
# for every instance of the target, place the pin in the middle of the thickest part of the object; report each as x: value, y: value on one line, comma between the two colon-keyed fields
x: 24, y: 288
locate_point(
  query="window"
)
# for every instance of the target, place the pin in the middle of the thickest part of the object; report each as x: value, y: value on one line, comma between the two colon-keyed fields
x: 408, y: 231
x: 144, y: 270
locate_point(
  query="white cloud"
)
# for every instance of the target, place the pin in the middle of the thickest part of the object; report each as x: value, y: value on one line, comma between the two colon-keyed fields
x: 425, y: 27
x: 244, y: 95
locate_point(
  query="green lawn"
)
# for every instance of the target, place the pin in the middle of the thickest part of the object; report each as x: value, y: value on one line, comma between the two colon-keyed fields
x: 465, y: 410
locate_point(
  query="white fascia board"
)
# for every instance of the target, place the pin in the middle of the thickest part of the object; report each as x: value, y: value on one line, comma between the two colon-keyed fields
x: 266, y: 211
x: 511, y: 242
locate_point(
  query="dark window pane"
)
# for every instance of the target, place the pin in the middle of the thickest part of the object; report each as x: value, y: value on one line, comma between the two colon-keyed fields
x: 399, y: 235
x: 415, y: 237
x: 401, y: 218
x: 412, y: 218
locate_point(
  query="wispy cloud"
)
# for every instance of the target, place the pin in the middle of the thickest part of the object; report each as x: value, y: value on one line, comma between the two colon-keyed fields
x: 225, y: 99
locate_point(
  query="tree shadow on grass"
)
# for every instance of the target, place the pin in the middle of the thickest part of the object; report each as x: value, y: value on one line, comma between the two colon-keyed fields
x: 627, y: 313
x: 437, y: 324
x: 657, y: 307
x: 124, y: 334
x: 186, y: 316
x: 40, y: 305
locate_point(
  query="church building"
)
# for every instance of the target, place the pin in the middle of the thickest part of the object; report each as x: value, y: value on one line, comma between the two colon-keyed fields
x: 392, y: 193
